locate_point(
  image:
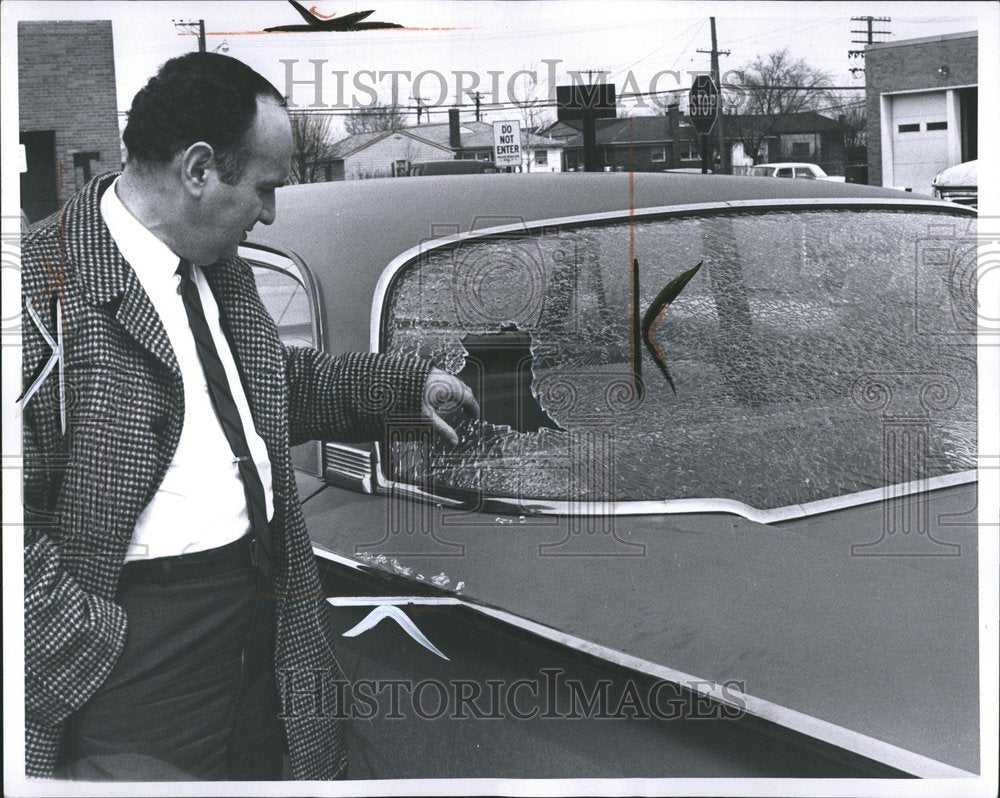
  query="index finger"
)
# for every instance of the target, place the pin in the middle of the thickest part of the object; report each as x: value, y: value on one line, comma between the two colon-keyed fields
x: 469, y: 403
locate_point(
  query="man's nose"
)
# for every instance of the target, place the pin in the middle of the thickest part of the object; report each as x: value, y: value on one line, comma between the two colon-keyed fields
x: 267, y: 212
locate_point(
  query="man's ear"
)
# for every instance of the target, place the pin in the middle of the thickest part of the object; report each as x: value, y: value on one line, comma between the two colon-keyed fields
x: 197, y: 161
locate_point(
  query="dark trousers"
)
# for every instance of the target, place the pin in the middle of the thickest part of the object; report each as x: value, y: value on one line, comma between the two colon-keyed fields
x: 193, y: 694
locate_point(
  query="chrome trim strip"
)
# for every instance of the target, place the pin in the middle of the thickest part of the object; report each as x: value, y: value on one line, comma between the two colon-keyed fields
x: 396, y: 601
x: 273, y: 257
x: 798, y: 722
x: 774, y: 515
x: 309, y: 285
x: 666, y: 506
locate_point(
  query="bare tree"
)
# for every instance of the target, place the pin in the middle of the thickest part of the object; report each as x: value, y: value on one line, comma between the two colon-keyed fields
x: 769, y: 87
x: 533, y: 116
x: 310, y: 145
x: 851, y: 113
x: 378, y: 117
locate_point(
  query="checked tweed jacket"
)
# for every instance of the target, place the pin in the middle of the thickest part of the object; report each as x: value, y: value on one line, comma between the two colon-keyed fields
x: 84, y: 490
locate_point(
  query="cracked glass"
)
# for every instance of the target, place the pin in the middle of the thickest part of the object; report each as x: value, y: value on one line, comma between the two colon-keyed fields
x: 813, y: 354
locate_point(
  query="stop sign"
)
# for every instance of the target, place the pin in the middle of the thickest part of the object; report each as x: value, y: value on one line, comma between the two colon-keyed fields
x: 703, y: 103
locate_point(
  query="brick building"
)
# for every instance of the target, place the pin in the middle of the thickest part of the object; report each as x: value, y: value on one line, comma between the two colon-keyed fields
x: 68, y: 112
x: 922, y: 108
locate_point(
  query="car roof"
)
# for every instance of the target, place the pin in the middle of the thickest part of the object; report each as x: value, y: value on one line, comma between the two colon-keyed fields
x: 962, y: 174
x: 786, y: 163
x: 347, y: 232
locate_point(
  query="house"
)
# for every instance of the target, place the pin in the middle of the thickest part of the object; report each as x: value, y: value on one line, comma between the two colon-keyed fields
x: 637, y: 144
x: 388, y: 152
x: 922, y: 101
x: 804, y: 136
x: 660, y: 143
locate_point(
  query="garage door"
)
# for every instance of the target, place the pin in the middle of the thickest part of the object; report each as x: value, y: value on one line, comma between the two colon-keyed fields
x: 919, y: 140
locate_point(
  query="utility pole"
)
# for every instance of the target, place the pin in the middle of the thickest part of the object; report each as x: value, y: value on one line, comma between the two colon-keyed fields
x: 191, y: 25
x: 870, y: 38
x: 476, y: 97
x: 724, y: 155
x: 420, y: 107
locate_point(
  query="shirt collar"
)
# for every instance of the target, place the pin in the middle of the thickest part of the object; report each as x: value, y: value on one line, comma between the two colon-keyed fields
x: 146, y: 253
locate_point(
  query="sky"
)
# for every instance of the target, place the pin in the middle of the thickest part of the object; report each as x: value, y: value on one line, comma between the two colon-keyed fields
x: 491, y: 41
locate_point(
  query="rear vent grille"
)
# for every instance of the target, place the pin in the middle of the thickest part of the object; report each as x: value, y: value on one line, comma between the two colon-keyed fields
x: 963, y: 196
x: 348, y: 467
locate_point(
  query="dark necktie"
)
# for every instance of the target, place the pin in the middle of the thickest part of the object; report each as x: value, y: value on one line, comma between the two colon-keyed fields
x: 229, y: 417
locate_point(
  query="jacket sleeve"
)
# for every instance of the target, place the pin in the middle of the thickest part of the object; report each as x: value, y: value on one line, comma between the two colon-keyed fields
x: 349, y: 398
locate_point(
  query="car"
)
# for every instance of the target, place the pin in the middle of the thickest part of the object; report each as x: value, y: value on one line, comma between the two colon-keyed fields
x: 959, y: 183
x: 453, y: 167
x: 718, y: 514
x: 809, y: 171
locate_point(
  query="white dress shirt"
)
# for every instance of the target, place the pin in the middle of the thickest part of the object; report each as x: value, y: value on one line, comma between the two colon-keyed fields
x: 201, y: 503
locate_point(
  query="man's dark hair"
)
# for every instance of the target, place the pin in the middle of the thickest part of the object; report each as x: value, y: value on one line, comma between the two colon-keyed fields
x: 197, y: 97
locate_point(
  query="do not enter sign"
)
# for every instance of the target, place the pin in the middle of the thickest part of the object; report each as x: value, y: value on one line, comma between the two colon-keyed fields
x: 703, y: 103
x: 507, y: 143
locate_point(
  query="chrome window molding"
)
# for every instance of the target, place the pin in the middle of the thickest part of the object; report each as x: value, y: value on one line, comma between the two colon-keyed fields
x: 274, y: 258
x: 515, y: 506
x: 277, y: 260
x: 507, y: 505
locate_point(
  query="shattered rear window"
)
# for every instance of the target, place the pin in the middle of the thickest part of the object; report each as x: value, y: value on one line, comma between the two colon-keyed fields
x: 812, y: 354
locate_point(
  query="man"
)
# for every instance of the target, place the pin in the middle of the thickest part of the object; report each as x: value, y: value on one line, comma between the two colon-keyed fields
x: 168, y: 571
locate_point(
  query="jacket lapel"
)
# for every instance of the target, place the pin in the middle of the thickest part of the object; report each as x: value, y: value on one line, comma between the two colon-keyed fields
x: 105, y: 278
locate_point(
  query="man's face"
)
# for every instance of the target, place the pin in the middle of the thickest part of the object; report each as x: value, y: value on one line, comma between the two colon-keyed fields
x: 228, y: 212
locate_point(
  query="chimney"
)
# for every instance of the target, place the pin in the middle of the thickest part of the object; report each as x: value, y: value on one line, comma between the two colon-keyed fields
x: 674, y: 126
x: 454, y: 129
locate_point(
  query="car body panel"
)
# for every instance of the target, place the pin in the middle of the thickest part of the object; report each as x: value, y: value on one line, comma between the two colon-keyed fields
x: 460, y: 745
x: 866, y: 651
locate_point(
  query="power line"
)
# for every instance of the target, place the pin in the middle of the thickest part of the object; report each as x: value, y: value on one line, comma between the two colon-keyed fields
x: 195, y: 27
x: 869, y: 39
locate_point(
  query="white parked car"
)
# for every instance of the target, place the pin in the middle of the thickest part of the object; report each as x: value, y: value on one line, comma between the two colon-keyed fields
x: 809, y: 171
x: 959, y: 183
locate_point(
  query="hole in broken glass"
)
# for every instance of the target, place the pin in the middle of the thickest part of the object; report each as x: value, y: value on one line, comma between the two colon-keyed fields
x: 498, y: 368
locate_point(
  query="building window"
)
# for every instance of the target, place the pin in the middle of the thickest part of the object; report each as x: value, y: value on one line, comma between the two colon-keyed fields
x: 937, y: 125
x: 800, y: 149
x: 914, y: 128
x: 658, y: 154
x: 484, y: 156
x: 688, y: 152
x: 541, y: 157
